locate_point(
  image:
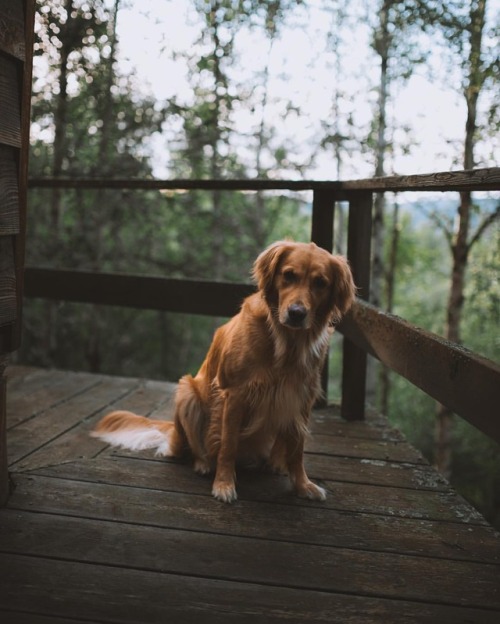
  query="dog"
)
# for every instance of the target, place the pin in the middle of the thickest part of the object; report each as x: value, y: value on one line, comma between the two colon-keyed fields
x: 252, y: 397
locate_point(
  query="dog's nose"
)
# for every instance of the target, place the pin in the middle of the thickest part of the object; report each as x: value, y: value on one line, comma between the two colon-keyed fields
x: 296, y: 314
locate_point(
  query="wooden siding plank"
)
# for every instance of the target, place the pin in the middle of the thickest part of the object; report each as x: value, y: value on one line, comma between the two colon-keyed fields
x: 9, y: 196
x: 12, y: 29
x: 10, y: 89
x: 236, y: 558
x: 8, y: 299
x: 250, y: 518
x: 103, y: 593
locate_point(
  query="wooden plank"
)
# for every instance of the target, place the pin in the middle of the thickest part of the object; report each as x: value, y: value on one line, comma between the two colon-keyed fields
x: 189, y: 553
x: 393, y: 450
x: 9, y: 195
x: 8, y: 301
x: 12, y: 28
x: 25, y: 438
x: 40, y: 393
x: 4, y: 472
x: 76, y: 442
x: 477, y: 179
x: 24, y: 97
x: 367, y: 471
x: 154, y: 293
x: 465, y: 382
x: 304, y: 522
x: 252, y: 485
x: 103, y: 593
x: 322, y: 224
x: 10, y: 89
x: 354, y: 359
x: 18, y: 617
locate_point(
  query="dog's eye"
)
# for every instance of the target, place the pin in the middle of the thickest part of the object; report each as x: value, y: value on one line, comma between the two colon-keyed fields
x: 289, y: 276
x: 319, y: 283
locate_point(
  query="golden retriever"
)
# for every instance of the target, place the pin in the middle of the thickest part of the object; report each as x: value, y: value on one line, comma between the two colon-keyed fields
x: 252, y: 397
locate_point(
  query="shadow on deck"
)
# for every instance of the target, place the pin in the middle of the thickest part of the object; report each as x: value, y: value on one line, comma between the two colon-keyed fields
x: 95, y: 535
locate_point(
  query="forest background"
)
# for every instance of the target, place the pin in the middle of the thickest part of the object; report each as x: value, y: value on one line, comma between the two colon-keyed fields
x: 277, y: 89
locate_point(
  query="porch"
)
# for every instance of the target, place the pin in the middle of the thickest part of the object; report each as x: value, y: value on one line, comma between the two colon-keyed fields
x: 94, y: 535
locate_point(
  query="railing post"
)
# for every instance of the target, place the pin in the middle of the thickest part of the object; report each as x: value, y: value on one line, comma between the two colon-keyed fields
x: 323, y: 212
x: 359, y: 254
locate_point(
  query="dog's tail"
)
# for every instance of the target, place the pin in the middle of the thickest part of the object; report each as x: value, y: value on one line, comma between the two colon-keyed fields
x: 136, y: 433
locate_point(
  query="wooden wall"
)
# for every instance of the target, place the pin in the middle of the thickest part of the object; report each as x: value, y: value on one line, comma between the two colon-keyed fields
x: 16, y: 45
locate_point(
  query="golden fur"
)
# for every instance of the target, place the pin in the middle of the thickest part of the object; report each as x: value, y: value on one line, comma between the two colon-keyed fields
x: 253, y: 395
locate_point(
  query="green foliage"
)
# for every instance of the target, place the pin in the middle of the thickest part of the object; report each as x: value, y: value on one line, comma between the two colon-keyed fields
x: 98, y: 122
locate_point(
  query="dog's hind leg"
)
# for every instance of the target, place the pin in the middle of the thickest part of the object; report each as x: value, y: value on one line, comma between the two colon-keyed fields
x: 191, y: 422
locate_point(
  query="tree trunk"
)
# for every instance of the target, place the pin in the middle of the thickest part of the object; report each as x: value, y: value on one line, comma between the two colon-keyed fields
x: 460, y: 244
x: 382, y: 46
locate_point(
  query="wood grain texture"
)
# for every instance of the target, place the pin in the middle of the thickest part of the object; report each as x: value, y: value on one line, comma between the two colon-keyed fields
x: 8, y: 299
x: 9, y: 196
x: 477, y: 179
x: 130, y: 537
x: 158, y: 293
x: 10, y: 90
x: 449, y: 373
x: 12, y: 29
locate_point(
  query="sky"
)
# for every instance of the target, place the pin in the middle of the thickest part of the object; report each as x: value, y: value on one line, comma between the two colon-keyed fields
x: 429, y: 116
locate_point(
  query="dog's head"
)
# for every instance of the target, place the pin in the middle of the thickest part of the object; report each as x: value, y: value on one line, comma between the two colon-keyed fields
x: 304, y: 285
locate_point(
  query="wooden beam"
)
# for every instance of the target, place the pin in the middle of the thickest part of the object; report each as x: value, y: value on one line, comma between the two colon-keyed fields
x: 358, y: 252
x: 322, y: 224
x: 447, y: 181
x: 465, y: 382
x: 136, y: 291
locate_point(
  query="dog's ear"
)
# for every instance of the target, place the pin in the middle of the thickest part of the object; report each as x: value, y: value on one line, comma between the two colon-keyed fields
x: 343, y: 287
x: 264, y: 268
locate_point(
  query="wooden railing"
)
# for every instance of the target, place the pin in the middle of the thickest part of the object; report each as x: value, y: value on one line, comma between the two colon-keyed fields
x: 461, y: 380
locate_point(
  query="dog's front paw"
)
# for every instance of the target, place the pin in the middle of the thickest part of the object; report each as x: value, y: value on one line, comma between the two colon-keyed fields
x: 312, y: 491
x: 224, y: 491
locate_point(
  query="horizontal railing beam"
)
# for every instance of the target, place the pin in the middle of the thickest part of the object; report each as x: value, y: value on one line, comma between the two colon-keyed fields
x: 137, y: 291
x: 472, y: 180
x: 463, y: 381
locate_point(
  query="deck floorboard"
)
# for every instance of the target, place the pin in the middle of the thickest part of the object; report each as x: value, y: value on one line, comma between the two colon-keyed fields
x: 91, y: 534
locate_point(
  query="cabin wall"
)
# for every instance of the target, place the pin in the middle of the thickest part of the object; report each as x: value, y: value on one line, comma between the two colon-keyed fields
x: 16, y: 46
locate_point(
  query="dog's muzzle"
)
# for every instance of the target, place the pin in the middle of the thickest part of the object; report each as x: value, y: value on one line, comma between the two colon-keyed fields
x: 296, y: 315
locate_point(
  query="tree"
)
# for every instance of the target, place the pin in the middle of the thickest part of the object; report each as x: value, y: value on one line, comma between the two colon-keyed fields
x: 478, y: 72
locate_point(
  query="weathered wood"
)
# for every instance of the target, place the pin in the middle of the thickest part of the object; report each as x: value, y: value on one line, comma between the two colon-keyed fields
x: 323, y: 213
x: 103, y: 593
x: 24, y: 439
x: 156, y: 293
x: 358, y: 252
x: 97, y: 522
x: 10, y: 89
x: 63, y: 433
x: 214, y: 556
x: 41, y: 393
x: 8, y: 301
x: 12, y: 29
x: 250, y: 518
x: 4, y: 470
x: 174, y: 476
x: 477, y: 179
x: 9, y: 196
x: 465, y: 382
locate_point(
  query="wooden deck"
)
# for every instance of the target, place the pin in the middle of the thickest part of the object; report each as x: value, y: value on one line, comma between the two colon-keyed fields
x: 95, y: 535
